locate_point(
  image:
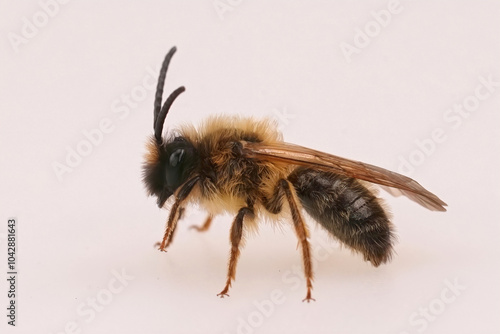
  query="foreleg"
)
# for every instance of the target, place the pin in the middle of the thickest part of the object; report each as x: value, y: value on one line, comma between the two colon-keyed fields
x: 176, y: 211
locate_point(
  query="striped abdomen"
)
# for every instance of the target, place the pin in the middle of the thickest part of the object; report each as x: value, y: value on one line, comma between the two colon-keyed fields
x: 346, y: 209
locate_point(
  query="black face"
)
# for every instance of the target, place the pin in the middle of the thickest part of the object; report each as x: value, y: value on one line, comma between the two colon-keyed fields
x: 177, y: 160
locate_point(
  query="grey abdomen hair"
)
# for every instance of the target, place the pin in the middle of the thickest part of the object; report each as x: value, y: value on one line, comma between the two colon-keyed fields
x: 346, y: 209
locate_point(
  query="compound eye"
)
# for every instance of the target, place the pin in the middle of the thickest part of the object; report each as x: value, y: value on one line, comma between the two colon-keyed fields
x: 176, y: 157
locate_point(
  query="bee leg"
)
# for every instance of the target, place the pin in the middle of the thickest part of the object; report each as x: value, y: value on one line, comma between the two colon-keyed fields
x: 171, y: 226
x: 181, y: 213
x: 171, y: 237
x: 176, y: 212
x: 302, y: 234
x: 235, y: 236
x: 205, y: 226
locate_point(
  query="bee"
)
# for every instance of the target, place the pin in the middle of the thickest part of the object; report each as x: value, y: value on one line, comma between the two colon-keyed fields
x: 243, y: 167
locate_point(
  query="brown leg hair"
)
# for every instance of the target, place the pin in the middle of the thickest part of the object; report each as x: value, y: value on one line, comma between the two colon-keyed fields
x: 171, y: 225
x: 302, y: 234
x: 176, y: 212
x: 174, y: 228
x: 171, y: 237
x: 205, y: 226
x: 235, y: 236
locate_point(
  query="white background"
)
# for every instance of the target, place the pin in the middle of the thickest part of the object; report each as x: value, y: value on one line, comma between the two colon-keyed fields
x: 70, y: 71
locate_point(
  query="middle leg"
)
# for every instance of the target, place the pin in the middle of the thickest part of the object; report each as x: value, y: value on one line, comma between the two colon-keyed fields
x: 205, y: 226
x: 236, y: 235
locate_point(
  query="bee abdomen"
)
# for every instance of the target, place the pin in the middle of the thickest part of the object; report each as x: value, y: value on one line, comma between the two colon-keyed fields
x: 346, y: 209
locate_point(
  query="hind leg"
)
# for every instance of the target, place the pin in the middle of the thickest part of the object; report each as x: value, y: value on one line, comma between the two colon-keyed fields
x: 285, y: 191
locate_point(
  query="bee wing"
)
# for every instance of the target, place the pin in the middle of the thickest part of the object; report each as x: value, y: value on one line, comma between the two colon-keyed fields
x: 393, y: 191
x: 303, y: 156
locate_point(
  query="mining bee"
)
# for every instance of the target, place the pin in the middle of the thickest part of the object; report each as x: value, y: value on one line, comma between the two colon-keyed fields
x: 242, y: 166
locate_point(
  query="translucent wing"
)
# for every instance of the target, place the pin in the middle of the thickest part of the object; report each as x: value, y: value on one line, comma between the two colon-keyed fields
x: 303, y: 156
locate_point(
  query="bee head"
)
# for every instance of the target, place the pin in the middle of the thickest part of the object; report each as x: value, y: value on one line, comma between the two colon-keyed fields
x: 168, y: 163
x: 168, y: 166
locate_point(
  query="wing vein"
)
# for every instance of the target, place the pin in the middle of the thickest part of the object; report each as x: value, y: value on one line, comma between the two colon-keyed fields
x: 302, y: 156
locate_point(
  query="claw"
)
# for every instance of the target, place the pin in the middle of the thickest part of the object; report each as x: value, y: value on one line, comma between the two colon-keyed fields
x: 195, y: 227
x: 308, y: 297
x: 161, y: 248
x: 222, y: 294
